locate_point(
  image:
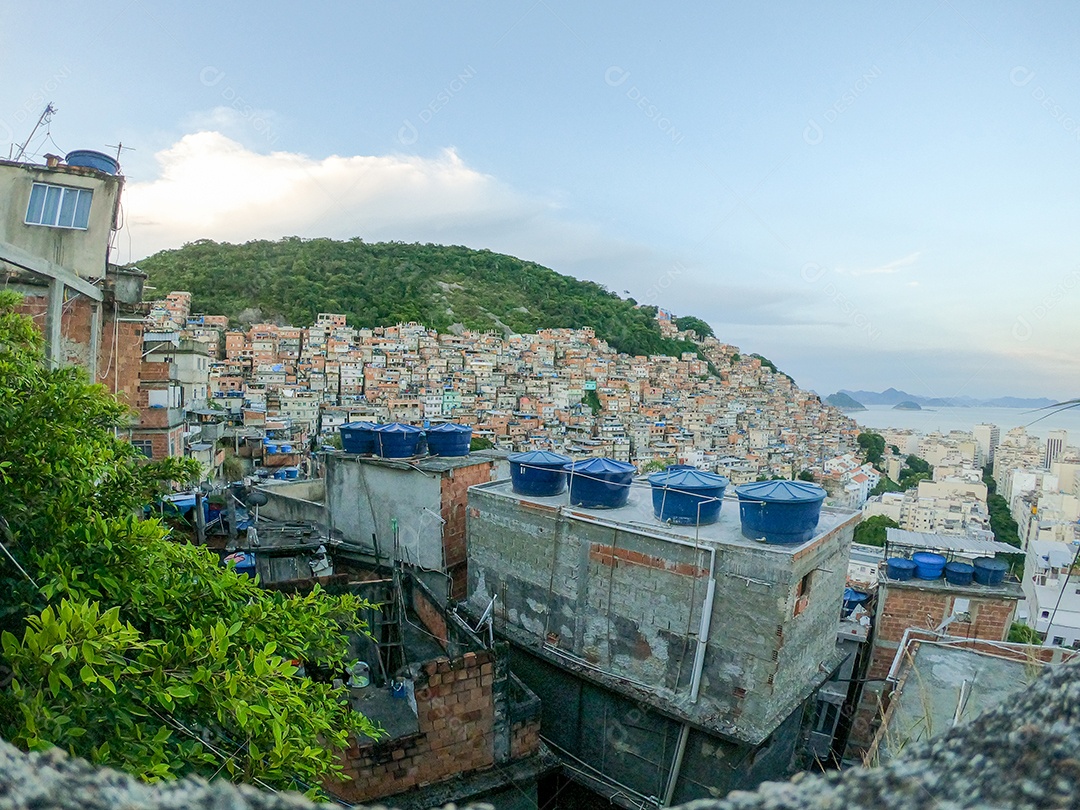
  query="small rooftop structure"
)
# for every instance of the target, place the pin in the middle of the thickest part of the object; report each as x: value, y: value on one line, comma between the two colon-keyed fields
x: 956, y: 544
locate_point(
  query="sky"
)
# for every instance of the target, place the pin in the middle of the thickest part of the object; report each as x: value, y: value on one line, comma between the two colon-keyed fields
x: 870, y: 195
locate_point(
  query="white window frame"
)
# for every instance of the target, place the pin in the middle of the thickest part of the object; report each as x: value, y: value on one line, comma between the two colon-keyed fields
x: 61, y: 216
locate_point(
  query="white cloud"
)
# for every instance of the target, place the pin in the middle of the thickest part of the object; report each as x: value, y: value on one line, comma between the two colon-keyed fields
x: 889, y: 268
x: 211, y: 186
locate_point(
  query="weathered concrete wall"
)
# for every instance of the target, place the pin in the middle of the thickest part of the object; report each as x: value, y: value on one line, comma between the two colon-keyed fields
x: 81, y: 251
x: 630, y: 603
x: 363, y: 498
x: 297, y: 501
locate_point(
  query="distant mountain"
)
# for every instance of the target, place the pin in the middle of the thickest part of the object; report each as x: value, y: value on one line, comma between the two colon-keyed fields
x: 907, y: 405
x: 844, y: 402
x: 892, y: 397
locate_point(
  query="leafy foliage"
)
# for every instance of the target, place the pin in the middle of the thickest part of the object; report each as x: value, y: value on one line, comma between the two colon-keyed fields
x: 1022, y: 634
x: 386, y: 283
x: 128, y: 648
x: 700, y: 328
x: 871, y: 532
x: 873, y: 444
x: 1002, y: 523
x: 592, y: 399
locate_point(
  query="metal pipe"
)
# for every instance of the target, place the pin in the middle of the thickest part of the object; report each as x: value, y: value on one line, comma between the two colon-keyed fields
x: 676, y: 766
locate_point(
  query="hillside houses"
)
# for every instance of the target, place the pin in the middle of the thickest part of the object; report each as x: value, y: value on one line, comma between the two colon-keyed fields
x: 563, y: 389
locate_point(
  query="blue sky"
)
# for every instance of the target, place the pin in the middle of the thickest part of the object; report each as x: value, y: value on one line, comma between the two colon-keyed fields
x: 868, y: 194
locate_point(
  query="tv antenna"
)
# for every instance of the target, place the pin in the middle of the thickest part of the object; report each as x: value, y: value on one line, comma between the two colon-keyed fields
x: 119, y: 147
x: 45, y: 117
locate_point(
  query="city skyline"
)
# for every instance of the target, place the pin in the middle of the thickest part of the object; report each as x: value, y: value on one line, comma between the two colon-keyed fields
x: 870, y: 197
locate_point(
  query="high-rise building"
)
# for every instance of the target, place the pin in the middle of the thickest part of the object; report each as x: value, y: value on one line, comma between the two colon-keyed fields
x: 988, y: 437
x: 1056, y: 441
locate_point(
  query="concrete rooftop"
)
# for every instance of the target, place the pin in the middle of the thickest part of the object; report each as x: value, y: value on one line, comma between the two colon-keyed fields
x: 638, y: 515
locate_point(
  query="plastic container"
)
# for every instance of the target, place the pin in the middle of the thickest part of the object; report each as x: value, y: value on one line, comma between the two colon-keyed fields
x: 686, y: 496
x: 959, y: 573
x: 291, y: 473
x: 245, y: 563
x: 852, y: 599
x: 285, y: 448
x: 928, y: 565
x: 781, y: 512
x: 89, y: 159
x: 600, y: 483
x: 358, y: 437
x: 538, y: 473
x: 449, y: 439
x: 990, y: 570
x: 397, y: 440
x: 900, y: 569
x: 270, y: 447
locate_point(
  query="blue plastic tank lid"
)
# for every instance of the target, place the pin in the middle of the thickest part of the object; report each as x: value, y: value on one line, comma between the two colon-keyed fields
x: 688, y: 478
x: 990, y: 563
x: 781, y: 491
x: 360, y: 425
x: 449, y: 427
x: 543, y: 457
x: 851, y: 593
x: 599, y: 465
x: 397, y: 427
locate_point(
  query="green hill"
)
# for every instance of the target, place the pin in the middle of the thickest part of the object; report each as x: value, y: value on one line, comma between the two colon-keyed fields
x: 381, y: 284
x: 844, y: 402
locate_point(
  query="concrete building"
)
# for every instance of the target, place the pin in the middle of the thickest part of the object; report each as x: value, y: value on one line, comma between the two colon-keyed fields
x: 672, y: 662
x: 1056, y: 441
x: 988, y: 437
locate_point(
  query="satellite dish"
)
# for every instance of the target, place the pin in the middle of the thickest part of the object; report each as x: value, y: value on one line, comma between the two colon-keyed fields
x: 257, y: 498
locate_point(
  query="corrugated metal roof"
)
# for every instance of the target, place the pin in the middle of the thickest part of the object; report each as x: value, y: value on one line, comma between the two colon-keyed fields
x: 947, y: 542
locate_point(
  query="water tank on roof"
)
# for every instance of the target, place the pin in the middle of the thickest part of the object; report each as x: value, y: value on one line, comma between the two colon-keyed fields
x: 600, y: 483
x: 780, y: 511
x: 538, y: 473
x: 285, y: 448
x: 89, y: 159
x: 928, y: 565
x: 358, y: 437
x: 686, y: 496
x: 397, y: 440
x: 449, y: 439
x: 959, y: 573
x: 270, y: 447
x: 899, y: 569
x: 852, y: 599
x: 989, y: 570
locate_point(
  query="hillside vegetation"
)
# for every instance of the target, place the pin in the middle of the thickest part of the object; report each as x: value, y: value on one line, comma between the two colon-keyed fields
x: 381, y: 284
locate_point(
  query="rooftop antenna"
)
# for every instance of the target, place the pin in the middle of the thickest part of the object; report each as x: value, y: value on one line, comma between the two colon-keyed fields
x: 119, y: 147
x: 44, y: 118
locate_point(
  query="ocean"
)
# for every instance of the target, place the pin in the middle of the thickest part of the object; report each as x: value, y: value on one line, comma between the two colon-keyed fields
x: 943, y: 420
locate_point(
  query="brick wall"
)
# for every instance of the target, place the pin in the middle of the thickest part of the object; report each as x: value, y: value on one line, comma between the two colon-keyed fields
x: 117, y: 370
x: 524, y: 737
x: 455, y: 485
x: 455, y: 712
x: 904, y: 607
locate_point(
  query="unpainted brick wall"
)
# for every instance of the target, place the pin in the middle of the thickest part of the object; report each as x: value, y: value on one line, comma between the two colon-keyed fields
x: 456, y: 712
x: 455, y: 486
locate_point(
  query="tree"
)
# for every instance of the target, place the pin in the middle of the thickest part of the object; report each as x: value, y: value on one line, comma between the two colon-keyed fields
x: 480, y: 443
x: 806, y: 475
x: 592, y: 399
x: 699, y: 327
x: 126, y: 647
x: 873, y: 445
x: 1023, y: 634
x: 872, y: 531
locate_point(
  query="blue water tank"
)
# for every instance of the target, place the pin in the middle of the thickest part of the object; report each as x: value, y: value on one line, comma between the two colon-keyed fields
x: 397, y: 440
x: 89, y: 159
x: 600, y: 483
x: 687, y: 496
x: 285, y: 448
x: 538, y: 473
x: 989, y: 570
x: 899, y: 568
x: 279, y: 475
x: 358, y: 437
x: 448, y: 439
x: 270, y: 447
x: 852, y: 599
x: 928, y: 565
x: 292, y: 473
x: 244, y: 562
x: 959, y: 573
x: 781, y: 512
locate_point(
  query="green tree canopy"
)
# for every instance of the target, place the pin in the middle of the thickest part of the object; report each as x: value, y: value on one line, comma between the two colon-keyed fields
x: 873, y: 445
x: 125, y: 647
x: 872, y: 531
